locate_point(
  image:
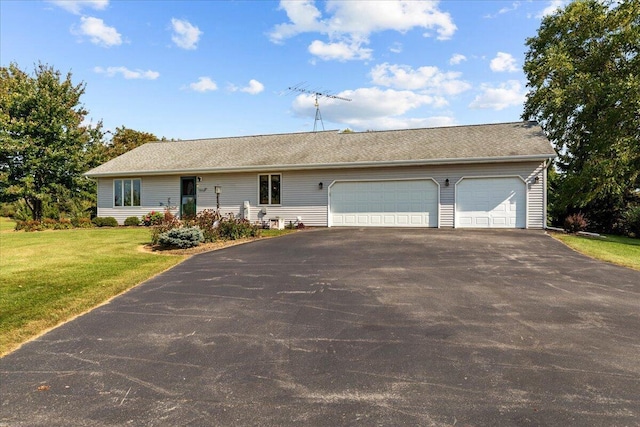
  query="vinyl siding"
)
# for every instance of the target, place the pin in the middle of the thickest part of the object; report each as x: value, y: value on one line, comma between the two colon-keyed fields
x: 156, y: 192
x: 301, y: 196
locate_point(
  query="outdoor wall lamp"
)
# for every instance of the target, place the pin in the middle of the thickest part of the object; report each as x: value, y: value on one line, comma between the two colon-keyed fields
x: 320, y: 186
x: 218, y: 190
x: 446, y: 182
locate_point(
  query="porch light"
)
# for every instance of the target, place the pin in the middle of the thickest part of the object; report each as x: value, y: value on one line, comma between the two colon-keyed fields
x: 446, y: 182
x: 218, y: 190
x: 319, y: 186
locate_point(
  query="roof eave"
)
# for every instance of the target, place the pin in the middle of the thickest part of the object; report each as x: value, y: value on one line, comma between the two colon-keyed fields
x: 261, y: 168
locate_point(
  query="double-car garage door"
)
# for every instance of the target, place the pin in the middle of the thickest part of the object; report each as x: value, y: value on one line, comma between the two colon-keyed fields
x: 495, y: 202
x: 394, y: 203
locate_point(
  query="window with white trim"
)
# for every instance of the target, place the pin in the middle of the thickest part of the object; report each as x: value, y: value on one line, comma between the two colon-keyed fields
x: 127, y: 192
x: 269, y: 188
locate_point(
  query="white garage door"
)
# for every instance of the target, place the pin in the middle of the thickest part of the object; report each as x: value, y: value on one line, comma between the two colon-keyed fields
x: 491, y: 203
x: 401, y: 203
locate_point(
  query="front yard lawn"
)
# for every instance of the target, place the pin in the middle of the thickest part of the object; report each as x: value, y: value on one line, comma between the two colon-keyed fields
x: 619, y: 250
x: 7, y: 224
x: 48, y: 277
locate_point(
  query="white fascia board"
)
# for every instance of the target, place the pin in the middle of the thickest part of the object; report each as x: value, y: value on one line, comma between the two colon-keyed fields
x: 368, y: 164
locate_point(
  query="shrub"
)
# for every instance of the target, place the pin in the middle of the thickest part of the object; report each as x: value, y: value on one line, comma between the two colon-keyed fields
x: 108, y: 221
x: 7, y: 210
x: 153, y: 218
x: 29, y: 225
x: 294, y: 226
x: 49, y: 223
x: 82, y: 222
x: 631, y: 221
x: 169, y: 222
x: 63, y: 224
x: 132, y: 221
x: 232, y: 228
x: 208, y: 221
x: 186, y: 237
x: 575, y: 222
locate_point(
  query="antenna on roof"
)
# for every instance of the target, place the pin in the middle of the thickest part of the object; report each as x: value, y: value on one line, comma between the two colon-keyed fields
x: 317, y: 94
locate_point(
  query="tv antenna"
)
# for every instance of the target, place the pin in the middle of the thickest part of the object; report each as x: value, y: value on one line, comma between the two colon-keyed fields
x: 317, y: 95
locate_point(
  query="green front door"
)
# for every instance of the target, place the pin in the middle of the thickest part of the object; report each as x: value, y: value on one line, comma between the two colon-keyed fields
x: 188, y: 197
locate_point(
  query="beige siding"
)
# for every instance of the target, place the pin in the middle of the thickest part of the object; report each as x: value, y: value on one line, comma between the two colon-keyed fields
x: 536, y: 200
x: 301, y: 196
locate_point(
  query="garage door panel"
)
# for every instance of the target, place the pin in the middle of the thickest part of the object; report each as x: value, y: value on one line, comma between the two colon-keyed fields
x: 491, y: 203
x: 403, y: 203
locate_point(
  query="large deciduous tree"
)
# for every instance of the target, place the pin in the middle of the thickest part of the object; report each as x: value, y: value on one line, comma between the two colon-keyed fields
x: 122, y: 140
x: 42, y: 136
x: 583, y: 70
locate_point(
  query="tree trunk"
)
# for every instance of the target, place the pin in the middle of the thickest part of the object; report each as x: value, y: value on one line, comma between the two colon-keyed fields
x: 35, y: 206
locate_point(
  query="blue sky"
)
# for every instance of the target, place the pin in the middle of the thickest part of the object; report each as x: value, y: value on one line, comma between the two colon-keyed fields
x: 202, y: 69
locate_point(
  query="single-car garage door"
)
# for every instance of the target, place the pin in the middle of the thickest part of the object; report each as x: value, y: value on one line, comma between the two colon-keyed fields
x: 491, y: 203
x: 395, y: 203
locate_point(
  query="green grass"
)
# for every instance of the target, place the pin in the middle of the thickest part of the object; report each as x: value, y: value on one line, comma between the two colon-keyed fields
x: 6, y: 224
x: 275, y: 233
x: 48, y: 277
x: 619, y: 250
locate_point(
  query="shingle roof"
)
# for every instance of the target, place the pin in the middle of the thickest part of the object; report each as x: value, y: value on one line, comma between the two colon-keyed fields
x: 327, y: 149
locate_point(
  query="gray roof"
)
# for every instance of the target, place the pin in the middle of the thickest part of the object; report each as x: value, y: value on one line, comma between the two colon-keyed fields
x: 331, y: 149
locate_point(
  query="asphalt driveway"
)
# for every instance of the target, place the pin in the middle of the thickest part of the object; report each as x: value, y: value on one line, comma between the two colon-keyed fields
x: 349, y: 327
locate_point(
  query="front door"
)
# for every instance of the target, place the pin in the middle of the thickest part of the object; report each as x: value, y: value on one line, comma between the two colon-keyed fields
x: 188, y: 197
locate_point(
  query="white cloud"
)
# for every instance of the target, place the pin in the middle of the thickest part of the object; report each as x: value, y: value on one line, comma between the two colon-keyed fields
x: 503, y: 62
x: 339, y: 51
x: 127, y: 73
x: 185, y: 35
x: 388, y: 123
x: 457, y: 58
x: 98, y: 32
x: 552, y: 7
x: 508, y: 94
x: 396, y: 47
x: 372, y: 108
x: 506, y: 9
x: 366, y: 17
x: 204, y: 84
x: 429, y: 79
x: 349, y: 24
x: 254, y: 87
x: 511, y: 8
x: 304, y: 17
x: 76, y: 6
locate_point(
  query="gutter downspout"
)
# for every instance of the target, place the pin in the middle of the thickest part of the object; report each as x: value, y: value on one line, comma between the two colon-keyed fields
x: 544, y: 196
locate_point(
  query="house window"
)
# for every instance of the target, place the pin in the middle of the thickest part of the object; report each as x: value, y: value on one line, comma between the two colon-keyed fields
x: 269, y: 189
x: 126, y: 192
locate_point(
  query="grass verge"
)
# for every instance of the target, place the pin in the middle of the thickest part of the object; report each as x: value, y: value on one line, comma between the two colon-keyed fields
x: 619, y: 250
x: 49, y: 277
x: 7, y: 224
